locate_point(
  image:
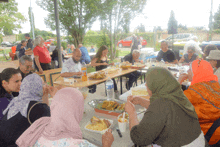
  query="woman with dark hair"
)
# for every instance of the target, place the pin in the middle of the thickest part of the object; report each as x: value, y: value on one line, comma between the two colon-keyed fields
x: 10, y: 81
x: 100, y: 61
x: 208, y: 49
x: 22, y: 111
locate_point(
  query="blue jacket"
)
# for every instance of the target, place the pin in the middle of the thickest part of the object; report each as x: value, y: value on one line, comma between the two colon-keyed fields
x: 85, y: 55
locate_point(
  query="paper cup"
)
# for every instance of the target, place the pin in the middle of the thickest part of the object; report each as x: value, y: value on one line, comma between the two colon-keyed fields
x: 122, y: 125
x: 66, y: 80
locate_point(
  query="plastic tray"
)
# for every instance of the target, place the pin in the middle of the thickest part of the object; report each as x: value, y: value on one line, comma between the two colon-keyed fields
x: 101, y: 132
x: 95, y: 104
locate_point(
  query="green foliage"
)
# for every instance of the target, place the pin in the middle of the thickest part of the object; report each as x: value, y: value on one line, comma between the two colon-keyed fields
x: 216, y: 24
x: 1, y: 37
x: 64, y: 45
x: 10, y: 18
x: 182, y: 27
x: 103, y: 40
x: 141, y: 28
x: 75, y: 16
x: 91, y: 39
x: 45, y: 34
x: 172, y: 24
x: 217, y: 31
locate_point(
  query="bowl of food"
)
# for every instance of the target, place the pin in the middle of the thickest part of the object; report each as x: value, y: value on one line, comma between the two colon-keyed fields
x: 125, y: 65
x: 98, y: 125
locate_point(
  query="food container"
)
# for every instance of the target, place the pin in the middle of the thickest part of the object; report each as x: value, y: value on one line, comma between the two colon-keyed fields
x: 137, y: 66
x: 92, y: 75
x: 140, y: 91
x: 122, y: 125
x: 97, y: 103
x: 101, y: 132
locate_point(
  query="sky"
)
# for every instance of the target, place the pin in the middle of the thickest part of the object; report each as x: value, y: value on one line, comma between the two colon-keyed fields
x: 192, y: 13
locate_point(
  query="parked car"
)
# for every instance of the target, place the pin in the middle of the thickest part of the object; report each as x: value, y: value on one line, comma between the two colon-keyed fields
x: 205, y: 43
x: 6, y: 44
x: 48, y: 41
x: 178, y: 38
x: 127, y: 42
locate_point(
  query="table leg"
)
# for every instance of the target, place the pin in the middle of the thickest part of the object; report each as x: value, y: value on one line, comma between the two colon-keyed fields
x: 121, y: 83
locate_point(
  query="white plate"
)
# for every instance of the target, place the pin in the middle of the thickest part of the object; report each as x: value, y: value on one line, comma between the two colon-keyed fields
x: 139, y: 88
x: 101, y: 132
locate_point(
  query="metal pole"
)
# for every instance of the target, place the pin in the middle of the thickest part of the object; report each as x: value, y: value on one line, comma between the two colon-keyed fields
x: 32, y: 22
x: 210, y: 22
x: 58, y: 33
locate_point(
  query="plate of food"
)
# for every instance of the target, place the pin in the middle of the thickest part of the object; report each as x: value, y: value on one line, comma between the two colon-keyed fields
x: 140, y: 91
x: 112, y: 70
x: 97, y: 75
x: 109, y: 107
x: 138, y: 65
x: 125, y: 65
x: 98, y: 125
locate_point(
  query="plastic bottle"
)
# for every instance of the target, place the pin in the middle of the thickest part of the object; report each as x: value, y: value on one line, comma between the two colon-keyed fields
x: 84, y: 72
x: 110, y: 88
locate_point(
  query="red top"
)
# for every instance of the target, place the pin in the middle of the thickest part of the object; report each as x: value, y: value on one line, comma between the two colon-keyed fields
x: 43, y: 53
x: 13, y: 49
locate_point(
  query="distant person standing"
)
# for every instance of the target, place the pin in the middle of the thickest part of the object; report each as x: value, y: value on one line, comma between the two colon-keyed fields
x: 52, y: 47
x: 29, y: 41
x: 85, y: 55
x: 139, y: 42
x: 41, y: 55
x: 20, y: 50
x: 134, y: 44
x: 92, y: 50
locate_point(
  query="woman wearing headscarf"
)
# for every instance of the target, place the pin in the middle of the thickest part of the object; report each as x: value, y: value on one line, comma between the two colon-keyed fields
x: 62, y: 128
x: 170, y: 119
x: 204, y: 94
x: 24, y: 109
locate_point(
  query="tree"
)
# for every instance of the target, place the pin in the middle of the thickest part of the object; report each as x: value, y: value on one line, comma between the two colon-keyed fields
x: 172, y: 24
x: 75, y: 16
x: 141, y: 28
x: 32, y: 25
x: 182, y: 27
x: 10, y: 18
x: 216, y: 24
x: 116, y: 17
x: 159, y: 28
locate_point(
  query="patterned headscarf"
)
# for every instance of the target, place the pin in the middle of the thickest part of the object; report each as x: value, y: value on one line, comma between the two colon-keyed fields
x: 31, y: 90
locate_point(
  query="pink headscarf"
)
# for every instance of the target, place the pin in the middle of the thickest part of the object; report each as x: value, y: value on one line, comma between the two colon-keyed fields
x: 66, y: 113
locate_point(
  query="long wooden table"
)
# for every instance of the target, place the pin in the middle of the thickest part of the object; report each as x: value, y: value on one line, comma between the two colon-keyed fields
x: 89, y: 82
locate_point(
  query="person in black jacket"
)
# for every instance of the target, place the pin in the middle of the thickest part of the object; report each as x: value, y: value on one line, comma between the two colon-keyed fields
x: 55, y: 56
x: 10, y: 81
x: 22, y: 111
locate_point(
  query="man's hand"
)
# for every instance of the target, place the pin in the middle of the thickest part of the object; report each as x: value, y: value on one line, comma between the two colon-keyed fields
x: 22, y: 46
x: 107, y: 139
x: 79, y: 73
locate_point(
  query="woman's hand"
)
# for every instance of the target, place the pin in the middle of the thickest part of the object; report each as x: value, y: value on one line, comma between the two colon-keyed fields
x: 105, y: 63
x: 41, y: 71
x: 129, y: 108
x: 107, y: 138
x: 52, y: 90
x: 112, y: 64
x: 183, y: 77
x: 135, y: 100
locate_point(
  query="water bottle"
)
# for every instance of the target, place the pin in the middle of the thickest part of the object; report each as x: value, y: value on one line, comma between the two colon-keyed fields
x: 110, y: 88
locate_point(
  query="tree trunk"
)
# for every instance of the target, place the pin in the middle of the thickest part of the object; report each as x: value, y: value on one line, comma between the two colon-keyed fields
x: 111, y: 48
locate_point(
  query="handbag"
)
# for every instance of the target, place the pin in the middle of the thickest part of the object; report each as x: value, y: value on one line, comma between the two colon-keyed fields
x: 30, y: 111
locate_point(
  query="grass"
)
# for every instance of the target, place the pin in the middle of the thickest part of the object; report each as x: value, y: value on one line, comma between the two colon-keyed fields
x: 123, y: 53
x: 3, y: 58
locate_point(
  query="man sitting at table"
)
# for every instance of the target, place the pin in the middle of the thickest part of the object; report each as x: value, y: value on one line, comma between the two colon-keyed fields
x: 167, y: 55
x: 132, y: 57
x: 72, y: 66
x: 25, y: 65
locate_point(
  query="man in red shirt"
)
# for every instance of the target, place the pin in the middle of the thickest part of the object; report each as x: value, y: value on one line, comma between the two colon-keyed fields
x: 41, y: 55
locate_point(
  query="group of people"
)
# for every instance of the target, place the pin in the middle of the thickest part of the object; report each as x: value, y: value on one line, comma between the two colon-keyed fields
x: 173, y: 117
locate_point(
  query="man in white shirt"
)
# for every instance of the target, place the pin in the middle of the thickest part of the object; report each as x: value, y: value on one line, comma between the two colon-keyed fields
x: 193, y: 42
x: 72, y: 66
